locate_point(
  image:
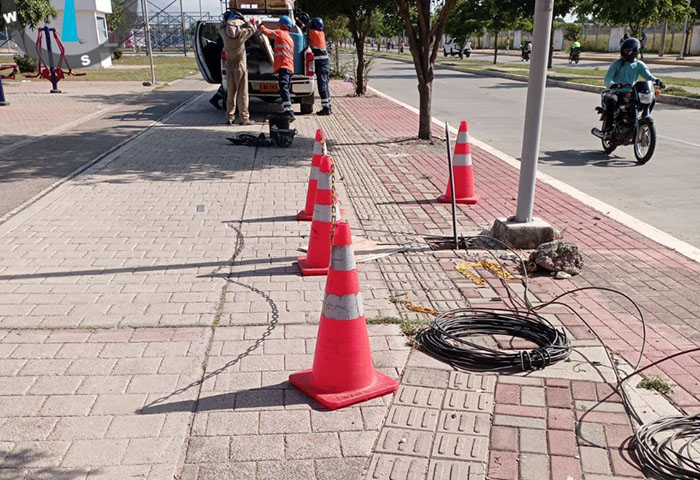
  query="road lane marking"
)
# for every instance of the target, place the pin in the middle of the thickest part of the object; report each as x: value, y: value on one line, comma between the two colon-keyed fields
x: 679, y: 141
x: 609, y: 211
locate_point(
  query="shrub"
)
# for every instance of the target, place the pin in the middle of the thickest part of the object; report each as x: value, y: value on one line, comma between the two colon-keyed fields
x: 26, y: 64
x: 116, y: 55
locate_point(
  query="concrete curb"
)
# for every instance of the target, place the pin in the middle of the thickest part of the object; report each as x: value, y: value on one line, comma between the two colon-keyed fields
x: 668, y: 99
x: 604, y: 58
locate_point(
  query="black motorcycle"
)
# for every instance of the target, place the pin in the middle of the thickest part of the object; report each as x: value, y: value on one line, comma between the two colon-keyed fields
x: 575, y: 55
x: 524, y: 54
x: 631, y: 123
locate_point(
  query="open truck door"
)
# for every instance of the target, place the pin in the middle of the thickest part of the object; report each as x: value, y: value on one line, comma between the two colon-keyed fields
x: 208, y: 46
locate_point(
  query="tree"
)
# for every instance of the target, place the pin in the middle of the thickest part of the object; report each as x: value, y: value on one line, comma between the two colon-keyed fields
x: 636, y: 14
x: 464, y: 23
x: 30, y: 13
x: 424, y: 31
x: 359, y: 14
x: 572, y: 31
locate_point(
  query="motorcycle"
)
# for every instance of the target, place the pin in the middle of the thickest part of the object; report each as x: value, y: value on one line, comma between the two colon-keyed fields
x: 524, y: 55
x: 574, y: 55
x: 632, y: 122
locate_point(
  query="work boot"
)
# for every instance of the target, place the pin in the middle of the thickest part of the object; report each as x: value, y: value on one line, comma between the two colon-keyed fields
x: 325, y: 111
x: 230, y: 121
x: 290, y: 116
x: 248, y: 122
x: 214, y: 101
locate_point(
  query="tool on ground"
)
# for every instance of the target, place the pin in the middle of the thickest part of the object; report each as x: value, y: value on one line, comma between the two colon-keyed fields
x: 465, y: 268
x: 326, y: 211
x: 343, y: 372
x: 48, y: 71
x: 451, y: 185
x: 464, y: 191
x: 319, y: 151
x: 9, y: 76
x: 278, y: 138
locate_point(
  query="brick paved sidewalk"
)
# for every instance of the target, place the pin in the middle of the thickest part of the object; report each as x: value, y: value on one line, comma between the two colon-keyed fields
x: 150, y: 314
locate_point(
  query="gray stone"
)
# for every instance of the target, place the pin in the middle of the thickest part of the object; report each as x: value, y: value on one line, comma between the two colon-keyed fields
x: 558, y: 256
x: 523, y: 235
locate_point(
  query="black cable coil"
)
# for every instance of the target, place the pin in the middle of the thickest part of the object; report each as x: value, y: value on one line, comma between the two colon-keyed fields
x: 448, y: 338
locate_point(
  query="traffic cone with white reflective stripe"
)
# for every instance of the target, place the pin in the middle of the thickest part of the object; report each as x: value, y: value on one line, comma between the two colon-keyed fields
x: 462, y: 171
x: 326, y: 210
x: 343, y: 372
x: 319, y: 151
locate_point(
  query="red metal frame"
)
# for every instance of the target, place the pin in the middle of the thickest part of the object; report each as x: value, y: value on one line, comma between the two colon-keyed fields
x: 43, y: 68
x: 12, y: 75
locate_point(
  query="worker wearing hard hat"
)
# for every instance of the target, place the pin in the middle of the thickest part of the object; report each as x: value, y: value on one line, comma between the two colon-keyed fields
x: 235, y: 30
x: 284, y: 60
x: 317, y: 40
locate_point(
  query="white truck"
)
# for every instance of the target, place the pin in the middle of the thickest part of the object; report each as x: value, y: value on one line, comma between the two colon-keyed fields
x: 262, y: 81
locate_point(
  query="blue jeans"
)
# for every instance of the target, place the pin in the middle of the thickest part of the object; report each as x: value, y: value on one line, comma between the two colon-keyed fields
x: 323, y: 71
x: 285, y: 82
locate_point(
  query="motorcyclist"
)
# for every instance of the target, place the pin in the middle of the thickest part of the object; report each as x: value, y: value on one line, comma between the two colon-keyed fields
x: 623, y: 73
x: 575, y: 47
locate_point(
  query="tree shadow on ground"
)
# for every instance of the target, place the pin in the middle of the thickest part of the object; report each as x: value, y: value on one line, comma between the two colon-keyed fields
x: 32, y: 463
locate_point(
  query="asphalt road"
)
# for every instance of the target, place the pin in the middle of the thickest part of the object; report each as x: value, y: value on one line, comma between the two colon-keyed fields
x: 664, y: 193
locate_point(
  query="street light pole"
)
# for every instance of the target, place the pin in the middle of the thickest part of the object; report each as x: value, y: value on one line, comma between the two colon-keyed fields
x: 534, y: 109
x: 184, y: 34
x: 147, y: 31
x: 685, y: 31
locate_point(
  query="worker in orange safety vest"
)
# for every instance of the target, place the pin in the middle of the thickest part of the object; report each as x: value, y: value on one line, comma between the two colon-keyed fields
x: 284, y: 60
x: 317, y: 39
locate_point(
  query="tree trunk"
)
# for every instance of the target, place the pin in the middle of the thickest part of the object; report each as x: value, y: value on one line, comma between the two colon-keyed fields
x: 337, y: 56
x: 425, y: 121
x: 360, y: 74
x: 495, y: 48
x: 662, y: 47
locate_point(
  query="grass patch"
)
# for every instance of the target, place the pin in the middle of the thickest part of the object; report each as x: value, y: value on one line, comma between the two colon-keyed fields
x: 384, y: 321
x: 168, y: 69
x: 657, y: 384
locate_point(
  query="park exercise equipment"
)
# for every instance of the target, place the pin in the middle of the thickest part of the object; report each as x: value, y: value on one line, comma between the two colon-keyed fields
x: 49, y: 71
x: 11, y: 76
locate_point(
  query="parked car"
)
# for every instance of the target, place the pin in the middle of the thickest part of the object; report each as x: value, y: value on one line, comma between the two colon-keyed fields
x: 262, y: 82
x: 451, y: 48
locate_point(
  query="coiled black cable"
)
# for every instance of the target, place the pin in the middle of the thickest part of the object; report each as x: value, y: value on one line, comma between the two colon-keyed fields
x: 451, y: 338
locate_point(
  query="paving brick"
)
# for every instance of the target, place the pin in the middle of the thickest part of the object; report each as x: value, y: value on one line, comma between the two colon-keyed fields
x: 141, y: 426
x: 503, y: 465
x: 532, y: 396
x: 339, y: 468
x: 345, y: 419
x: 208, y: 450
x: 562, y: 443
x: 424, y: 377
x: 118, y: 404
x: 26, y: 429
x: 451, y: 470
x: 559, y: 397
x: 413, y: 418
x: 471, y: 401
x: 285, y: 469
x: 473, y: 382
x: 67, y: 405
x: 508, y: 394
x: 595, y: 460
x: 227, y: 471
x: 357, y: 444
x: 405, y: 442
x: 150, y: 451
x: 469, y: 423
x: 623, y: 463
x: 520, y: 411
x: 520, y: 422
x: 533, y: 441
x: 104, y: 384
x: 80, y: 428
x: 565, y: 468
x: 560, y: 419
x: 460, y: 447
x: 397, y: 467
x: 534, y: 467
x: 16, y: 385
x: 38, y: 455
x: 232, y: 423
x: 94, y: 453
x: 420, y: 396
x: 591, y: 435
x: 312, y: 445
x: 583, y: 390
x: 504, y: 439
x: 288, y: 421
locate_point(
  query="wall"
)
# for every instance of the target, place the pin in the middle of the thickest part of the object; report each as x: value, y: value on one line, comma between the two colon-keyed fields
x: 695, y: 41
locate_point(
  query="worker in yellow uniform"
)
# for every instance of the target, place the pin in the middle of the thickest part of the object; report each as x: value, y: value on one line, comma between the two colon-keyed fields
x: 235, y: 30
x: 317, y: 39
x: 284, y: 60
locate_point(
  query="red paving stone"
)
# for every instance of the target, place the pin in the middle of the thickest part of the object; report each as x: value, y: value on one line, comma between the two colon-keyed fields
x: 562, y: 442
x: 565, y: 468
x: 665, y: 284
x: 503, y: 465
x: 504, y: 439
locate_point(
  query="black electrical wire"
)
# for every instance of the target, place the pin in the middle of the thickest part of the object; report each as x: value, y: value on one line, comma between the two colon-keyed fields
x: 669, y: 447
x: 448, y: 338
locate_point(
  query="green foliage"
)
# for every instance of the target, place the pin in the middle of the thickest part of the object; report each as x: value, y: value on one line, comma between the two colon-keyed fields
x: 336, y: 27
x: 572, y: 31
x: 465, y: 22
x: 31, y: 13
x: 25, y: 64
x: 656, y: 383
x: 636, y: 14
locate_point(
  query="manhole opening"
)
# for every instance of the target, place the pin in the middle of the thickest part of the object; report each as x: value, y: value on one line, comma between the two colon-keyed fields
x: 446, y: 243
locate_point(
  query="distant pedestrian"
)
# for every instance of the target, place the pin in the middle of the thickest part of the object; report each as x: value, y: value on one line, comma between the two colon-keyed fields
x: 284, y: 60
x: 317, y: 39
x: 625, y: 37
x: 643, y: 44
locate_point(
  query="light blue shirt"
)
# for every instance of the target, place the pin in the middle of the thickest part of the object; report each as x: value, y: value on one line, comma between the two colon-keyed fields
x: 627, y: 73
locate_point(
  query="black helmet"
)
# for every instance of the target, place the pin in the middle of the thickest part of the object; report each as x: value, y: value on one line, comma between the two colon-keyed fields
x: 629, y: 49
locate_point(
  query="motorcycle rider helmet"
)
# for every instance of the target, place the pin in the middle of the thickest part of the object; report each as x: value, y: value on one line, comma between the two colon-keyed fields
x: 629, y: 49
x: 316, y: 24
x: 286, y: 21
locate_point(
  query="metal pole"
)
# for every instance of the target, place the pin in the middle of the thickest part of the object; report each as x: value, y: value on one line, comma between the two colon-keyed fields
x: 452, y: 184
x: 52, y: 68
x: 534, y: 109
x: 3, y: 101
x: 200, y: 9
x: 149, y: 49
x: 184, y: 34
x: 685, y: 31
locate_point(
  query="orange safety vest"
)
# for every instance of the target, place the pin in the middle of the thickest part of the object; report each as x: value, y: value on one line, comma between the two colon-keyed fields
x: 284, y: 48
x: 318, y: 44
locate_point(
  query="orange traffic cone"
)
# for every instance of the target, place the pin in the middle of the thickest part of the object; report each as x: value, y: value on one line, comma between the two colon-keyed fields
x: 462, y: 171
x: 343, y: 372
x: 318, y: 255
x: 319, y: 150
